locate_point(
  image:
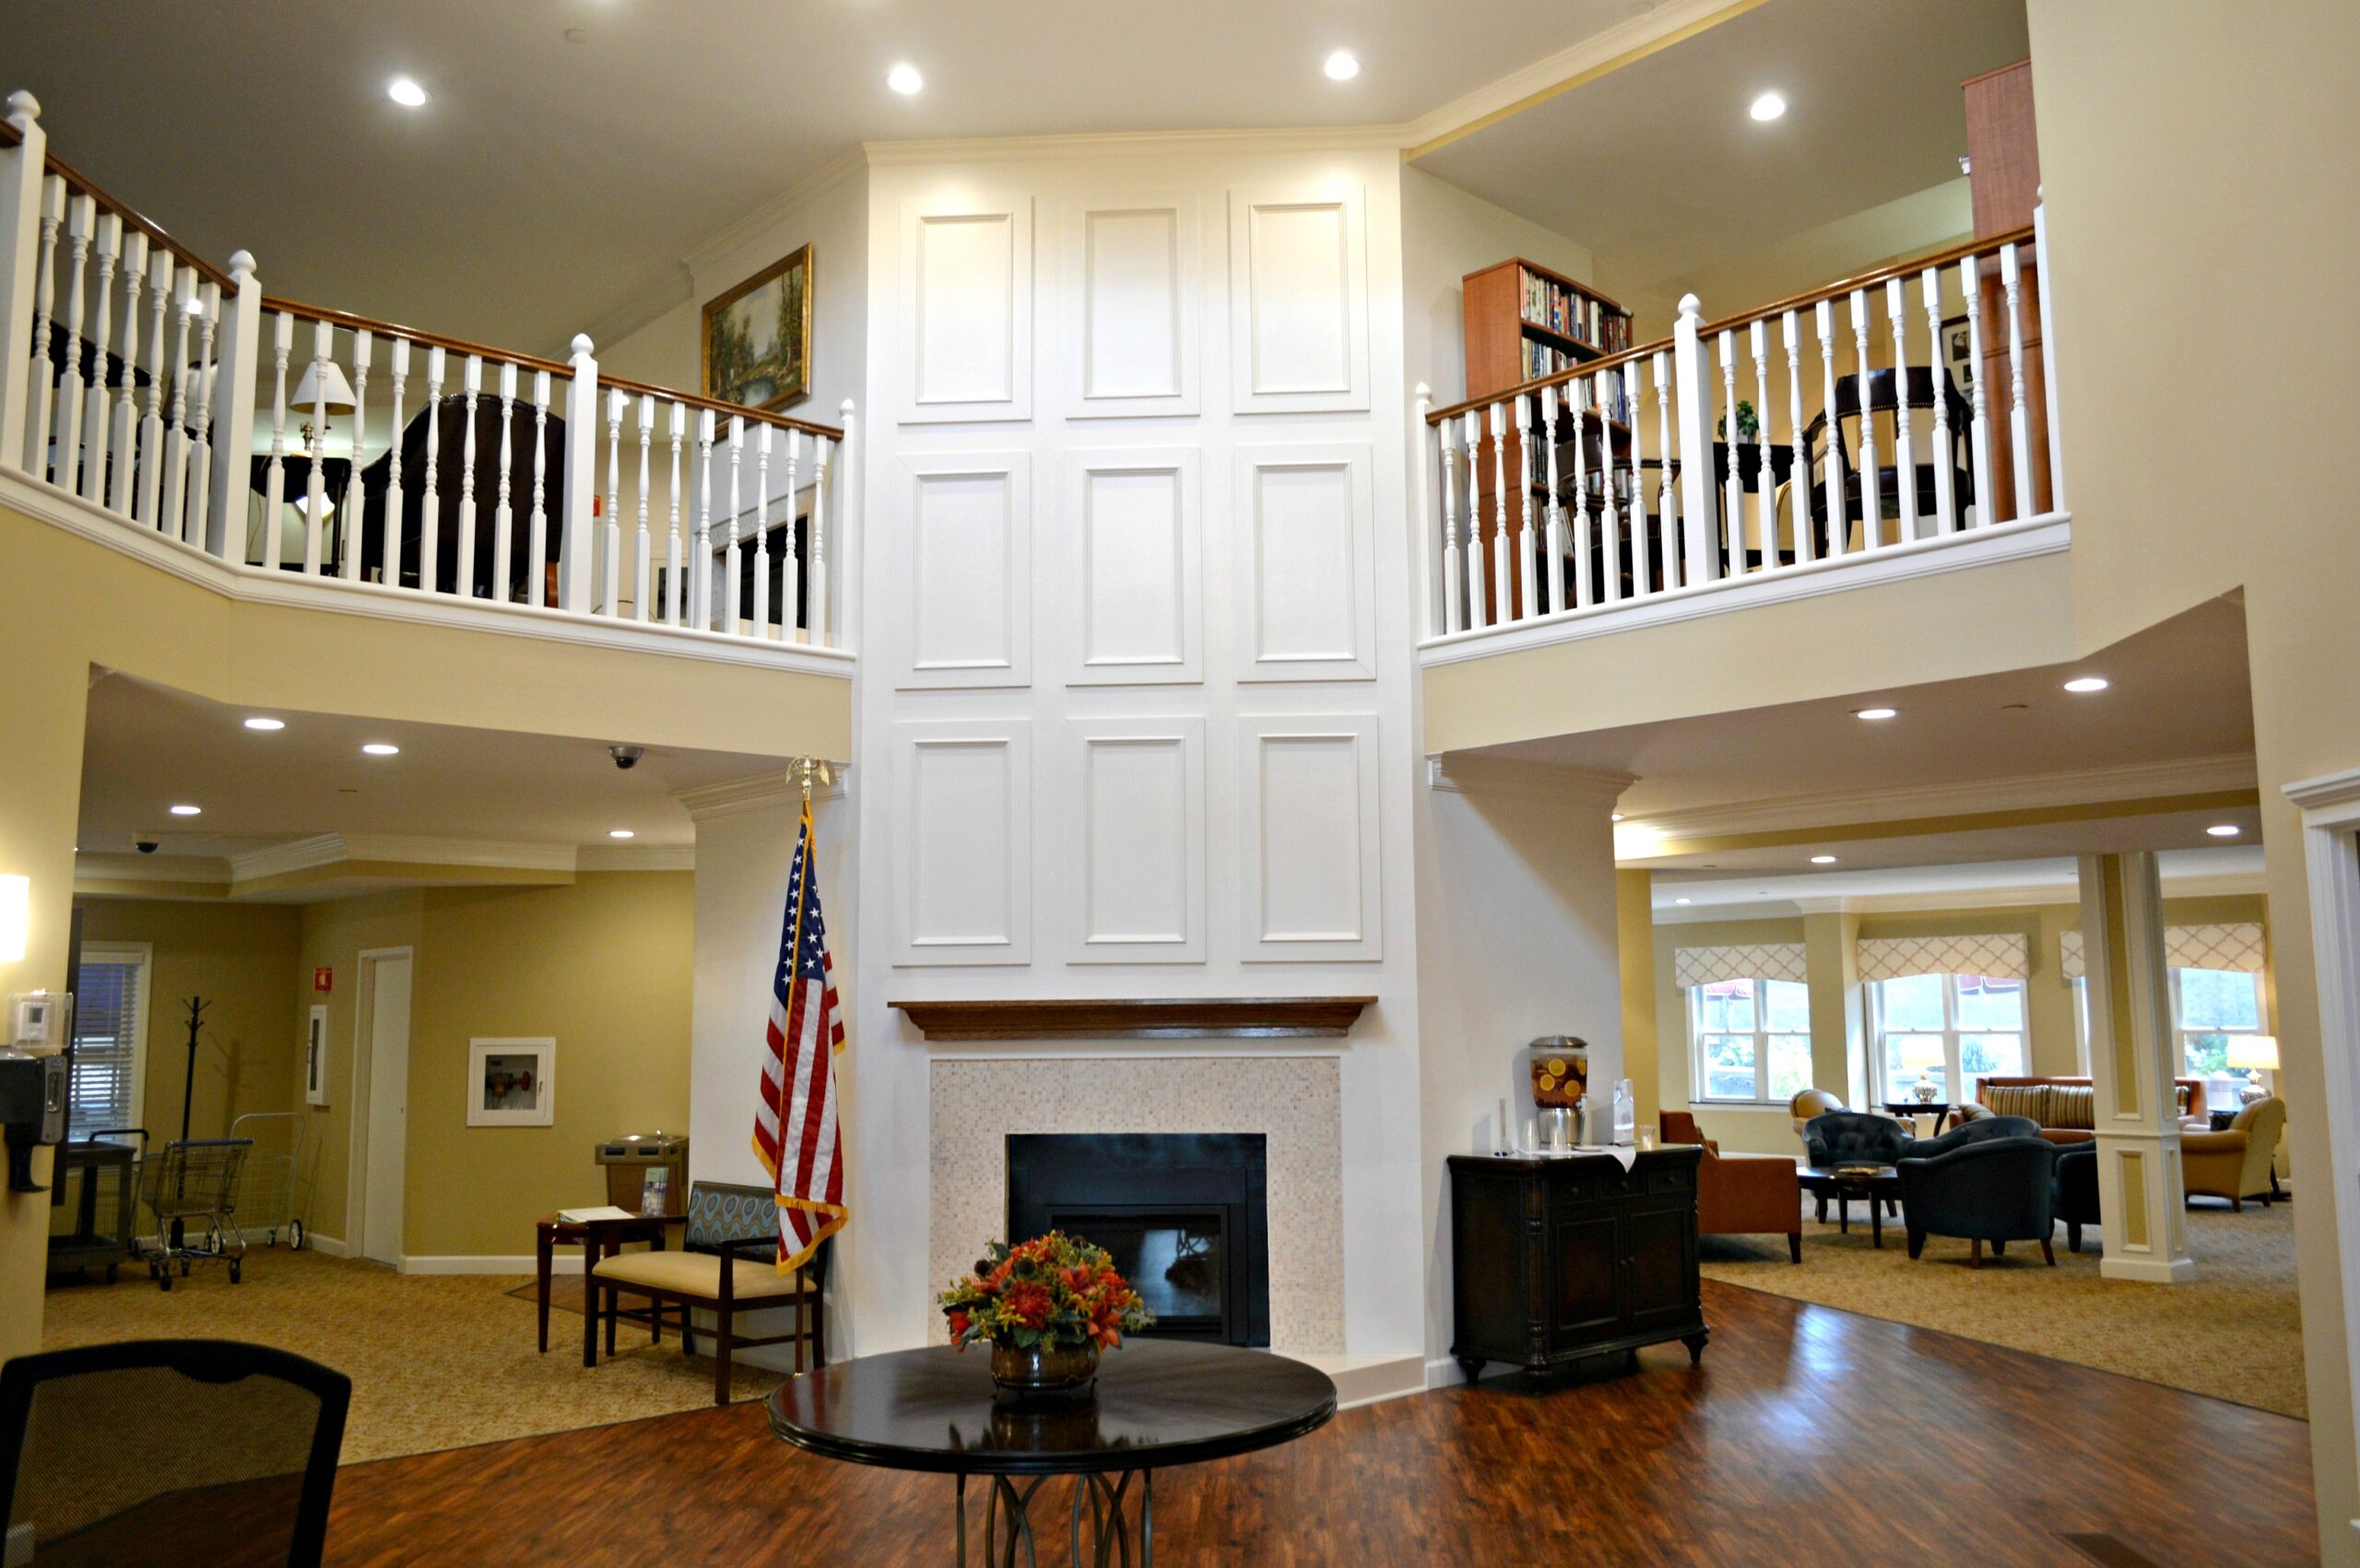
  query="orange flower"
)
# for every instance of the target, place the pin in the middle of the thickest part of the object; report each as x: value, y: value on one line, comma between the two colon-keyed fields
x: 958, y: 1324
x: 1030, y: 1305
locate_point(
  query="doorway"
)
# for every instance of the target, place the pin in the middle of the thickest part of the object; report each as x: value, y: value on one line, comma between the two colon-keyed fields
x: 380, y: 1062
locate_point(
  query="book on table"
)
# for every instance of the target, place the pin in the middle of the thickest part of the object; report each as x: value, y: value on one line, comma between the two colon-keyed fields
x: 586, y: 1216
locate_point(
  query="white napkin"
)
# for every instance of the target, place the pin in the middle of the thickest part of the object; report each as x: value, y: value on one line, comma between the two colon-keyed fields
x: 1625, y: 1155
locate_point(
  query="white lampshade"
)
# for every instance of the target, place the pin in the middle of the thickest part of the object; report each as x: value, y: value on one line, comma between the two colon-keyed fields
x: 1921, y: 1054
x: 317, y: 376
x: 2251, y: 1051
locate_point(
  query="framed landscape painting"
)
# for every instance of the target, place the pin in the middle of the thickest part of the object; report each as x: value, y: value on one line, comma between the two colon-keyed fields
x: 758, y: 337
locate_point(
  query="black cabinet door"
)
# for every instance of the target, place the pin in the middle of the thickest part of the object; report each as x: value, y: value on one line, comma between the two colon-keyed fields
x: 1586, y: 1297
x: 1661, y: 1240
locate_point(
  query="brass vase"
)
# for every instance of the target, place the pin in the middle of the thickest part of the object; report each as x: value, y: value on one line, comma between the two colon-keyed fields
x: 1044, y: 1372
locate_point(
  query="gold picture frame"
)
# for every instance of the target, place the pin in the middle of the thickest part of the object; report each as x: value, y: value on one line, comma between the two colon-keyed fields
x: 755, y: 348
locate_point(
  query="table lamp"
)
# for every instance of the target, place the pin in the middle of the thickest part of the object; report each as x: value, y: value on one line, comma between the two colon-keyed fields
x: 323, y: 390
x: 2258, y: 1053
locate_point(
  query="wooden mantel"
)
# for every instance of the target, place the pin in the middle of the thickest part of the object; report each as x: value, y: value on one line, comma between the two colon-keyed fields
x: 1180, y: 1018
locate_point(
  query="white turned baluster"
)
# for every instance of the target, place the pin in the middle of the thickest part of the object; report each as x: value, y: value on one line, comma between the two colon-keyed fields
x: 1554, y: 507
x: 1799, y: 479
x: 172, y: 503
x: 1502, y: 610
x: 1611, y: 547
x: 1579, y: 398
x: 351, y: 517
x: 315, y: 448
x: 1766, y: 489
x: 790, y: 570
x: 701, y: 582
x: 1979, y: 405
x: 1447, y: 454
x: 1732, y: 483
x: 200, y: 479
x: 729, y: 556
x: 81, y: 217
x: 274, y: 494
x: 1474, y: 431
x: 816, y: 584
x: 610, y: 601
x: 389, y: 552
x: 762, y: 536
x: 640, y: 591
x: 96, y: 406
x: 472, y: 388
x: 53, y: 220
x: 1872, y: 496
x: 2019, y: 415
x: 1839, y: 525
x: 1667, y: 503
x: 503, y: 506
x: 672, y: 531
x: 1642, y: 528
x: 537, y: 532
x: 429, y: 506
x: 123, y: 424
x: 160, y: 272
x: 1930, y: 286
x: 1904, y: 448
x: 1527, y: 546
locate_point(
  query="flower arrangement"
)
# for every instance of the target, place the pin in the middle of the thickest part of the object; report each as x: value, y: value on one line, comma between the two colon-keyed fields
x: 1050, y: 1293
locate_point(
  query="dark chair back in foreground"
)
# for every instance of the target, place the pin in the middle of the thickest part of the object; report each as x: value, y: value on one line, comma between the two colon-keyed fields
x: 1856, y: 1137
x: 1997, y: 1190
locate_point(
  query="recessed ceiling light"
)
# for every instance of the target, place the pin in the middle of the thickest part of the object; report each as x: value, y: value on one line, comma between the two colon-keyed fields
x: 620, y: 833
x: 2087, y: 683
x: 904, y: 79
x: 1614, y: 816
x: 258, y: 722
x: 188, y: 810
x: 1680, y: 901
x: 1342, y: 67
x: 1769, y: 106
x: 1822, y: 860
x: 1875, y: 713
x: 406, y: 93
x: 382, y: 748
x: 2224, y: 829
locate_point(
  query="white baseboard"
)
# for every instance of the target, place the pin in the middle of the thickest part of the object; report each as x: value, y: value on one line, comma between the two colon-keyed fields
x: 20, y: 1546
x: 333, y: 1246
x: 2148, y: 1271
x: 490, y: 1263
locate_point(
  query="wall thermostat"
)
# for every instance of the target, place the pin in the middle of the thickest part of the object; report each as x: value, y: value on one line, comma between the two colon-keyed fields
x: 32, y: 1018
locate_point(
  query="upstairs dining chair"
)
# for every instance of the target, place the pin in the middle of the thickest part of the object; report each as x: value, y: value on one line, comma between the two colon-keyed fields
x: 182, y: 1451
x: 1887, y: 395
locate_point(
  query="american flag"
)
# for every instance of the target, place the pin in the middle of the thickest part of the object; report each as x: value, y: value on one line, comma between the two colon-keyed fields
x: 794, y: 1129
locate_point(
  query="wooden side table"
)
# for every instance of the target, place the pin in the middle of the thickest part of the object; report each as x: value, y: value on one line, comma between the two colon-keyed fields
x: 598, y: 1239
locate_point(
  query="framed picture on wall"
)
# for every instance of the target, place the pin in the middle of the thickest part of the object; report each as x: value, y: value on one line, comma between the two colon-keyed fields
x: 511, y: 1083
x: 315, y: 1057
x: 758, y: 337
x: 1958, y: 356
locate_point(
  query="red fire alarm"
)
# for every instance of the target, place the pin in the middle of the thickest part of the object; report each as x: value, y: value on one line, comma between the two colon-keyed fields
x: 323, y: 979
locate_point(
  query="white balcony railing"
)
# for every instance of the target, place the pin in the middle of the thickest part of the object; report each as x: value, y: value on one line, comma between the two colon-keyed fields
x: 285, y: 440
x: 1824, y: 430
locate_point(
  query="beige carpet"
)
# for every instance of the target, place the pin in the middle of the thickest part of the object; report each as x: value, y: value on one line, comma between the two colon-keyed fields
x: 436, y: 1361
x: 2236, y: 1332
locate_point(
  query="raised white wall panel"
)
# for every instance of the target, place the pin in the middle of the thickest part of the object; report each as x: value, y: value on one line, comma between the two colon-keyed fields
x: 1304, y: 517
x: 1307, y: 793
x: 1131, y: 306
x: 963, y: 813
x: 1135, y: 837
x: 1298, y: 301
x: 1133, y: 539
x: 967, y: 548
x: 967, y: 310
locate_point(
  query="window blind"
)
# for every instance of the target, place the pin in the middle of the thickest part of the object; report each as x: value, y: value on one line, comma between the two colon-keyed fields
x: 106, y: 1046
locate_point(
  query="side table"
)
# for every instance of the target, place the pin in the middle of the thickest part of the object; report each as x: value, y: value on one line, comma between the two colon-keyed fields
x: 598, y: 1239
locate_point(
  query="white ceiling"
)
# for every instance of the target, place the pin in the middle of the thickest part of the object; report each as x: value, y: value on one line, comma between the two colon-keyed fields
x: 1658, y: 169
x: 548, y: 183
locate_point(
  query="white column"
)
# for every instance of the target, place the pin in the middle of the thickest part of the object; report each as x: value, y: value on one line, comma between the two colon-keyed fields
x: 20, y: 191
x: 2141, y: 1192
x: 233, y: 408
x: 1691, y: 376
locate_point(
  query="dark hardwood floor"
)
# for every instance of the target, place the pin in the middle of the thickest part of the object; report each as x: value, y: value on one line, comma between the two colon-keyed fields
x: 1807, y: 1435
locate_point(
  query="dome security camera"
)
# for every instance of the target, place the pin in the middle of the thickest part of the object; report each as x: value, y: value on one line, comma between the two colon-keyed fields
x: 144, y: 844
x: 627, y: 757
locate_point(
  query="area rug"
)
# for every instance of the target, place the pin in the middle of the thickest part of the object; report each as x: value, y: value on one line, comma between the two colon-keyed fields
x: 2235, y: 1332
x: 436, y: 1361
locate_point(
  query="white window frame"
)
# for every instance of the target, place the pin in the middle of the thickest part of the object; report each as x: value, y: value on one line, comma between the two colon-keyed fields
x: 1763, y: 1036
x: 1953, y: 1075
x: 2181, y: 1031
x: 144, y: 955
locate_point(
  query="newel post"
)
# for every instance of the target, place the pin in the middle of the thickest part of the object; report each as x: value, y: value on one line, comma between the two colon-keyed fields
x: 21, y: 168
x: 1692, y: 377
x: 2048, y: 360
x: 577, y: 542
x: 239, y: 346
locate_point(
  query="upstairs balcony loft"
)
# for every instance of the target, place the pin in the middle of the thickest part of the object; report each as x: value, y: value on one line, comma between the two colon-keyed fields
x: 297, y: 454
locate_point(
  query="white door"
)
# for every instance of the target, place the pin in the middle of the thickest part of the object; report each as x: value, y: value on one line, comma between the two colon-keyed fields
x: 385, y: 1028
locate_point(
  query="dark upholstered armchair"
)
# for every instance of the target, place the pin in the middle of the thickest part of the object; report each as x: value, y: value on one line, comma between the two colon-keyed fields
x: 1975, y: 1131
x: 2077, y: 1190
x: 1856, y: 1137
x: 1997, y: 1190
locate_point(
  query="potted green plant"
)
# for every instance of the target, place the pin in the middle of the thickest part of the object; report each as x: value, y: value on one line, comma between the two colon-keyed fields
x: 1047, y: 1307
x: 1748, y: 427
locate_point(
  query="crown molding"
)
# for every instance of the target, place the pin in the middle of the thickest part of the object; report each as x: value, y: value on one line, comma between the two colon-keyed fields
x: 756, y: 791
x: 337, y: 849
x: 1118, y: 144
x: 2021, y: 895
x: 2325, y: 790
x: 1471, y: 772
x: 636, y: 857
x: 150, y: 867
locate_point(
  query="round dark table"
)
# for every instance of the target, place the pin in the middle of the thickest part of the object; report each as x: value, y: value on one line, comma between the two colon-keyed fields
x: 1157, y: 1402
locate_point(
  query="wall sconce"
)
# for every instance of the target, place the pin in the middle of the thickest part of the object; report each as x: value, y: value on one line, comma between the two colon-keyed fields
x: 16, y: 916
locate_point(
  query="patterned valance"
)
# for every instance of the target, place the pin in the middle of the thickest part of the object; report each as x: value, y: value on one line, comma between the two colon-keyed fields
x: 2004, y: 955
x: 2238, y: 946
x: 1754, y: 961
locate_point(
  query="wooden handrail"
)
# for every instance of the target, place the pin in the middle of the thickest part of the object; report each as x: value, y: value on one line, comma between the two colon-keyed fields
x: 132, y: 217
x: 1554, y: 377
x: 1870, y: 279
x: 696, y: 400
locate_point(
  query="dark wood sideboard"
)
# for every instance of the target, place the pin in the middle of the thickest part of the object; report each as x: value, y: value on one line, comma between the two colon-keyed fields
x: 1562, y: 1260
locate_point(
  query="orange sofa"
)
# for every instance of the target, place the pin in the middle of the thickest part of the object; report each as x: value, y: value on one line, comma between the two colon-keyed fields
x: 1741, y: 1195
x: 2066, y: 1108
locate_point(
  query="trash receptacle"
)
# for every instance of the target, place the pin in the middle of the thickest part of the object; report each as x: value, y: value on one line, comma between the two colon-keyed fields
x: 629, y: 1160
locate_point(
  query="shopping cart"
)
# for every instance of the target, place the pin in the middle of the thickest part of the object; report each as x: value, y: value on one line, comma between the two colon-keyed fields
x: 272, y: 1191
x: 194, y: 1180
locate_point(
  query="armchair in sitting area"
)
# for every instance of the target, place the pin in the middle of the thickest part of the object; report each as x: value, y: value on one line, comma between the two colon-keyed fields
x: 2236, y: 1164
x: 728, y: 1264
x: 1993, y: 1190
x: 1975, y: 1130
x: 2077, y: 1190
x: 1856, y: 1137
x: 1812, y: 1102
x: 1740, y: 1195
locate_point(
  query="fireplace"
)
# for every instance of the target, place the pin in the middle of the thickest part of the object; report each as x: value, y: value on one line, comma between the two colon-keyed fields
x: 1183, y: 1214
